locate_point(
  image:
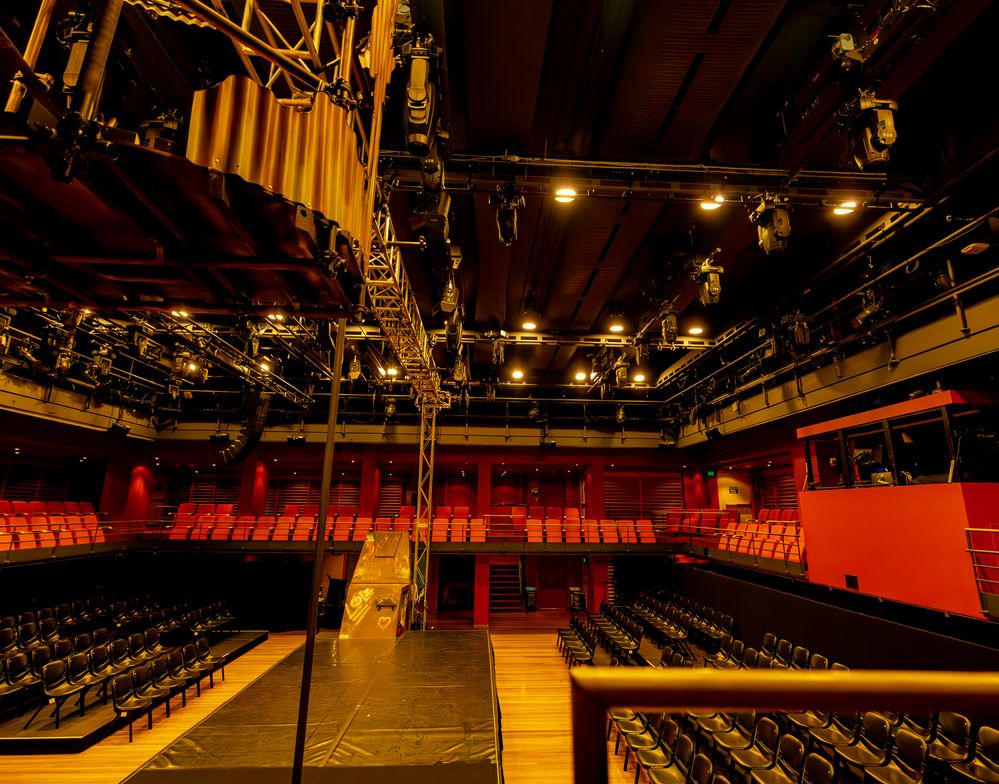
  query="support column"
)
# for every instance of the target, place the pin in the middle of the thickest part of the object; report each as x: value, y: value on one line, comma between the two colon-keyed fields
x: 369, y: 482
x: 253, y: 487
x: 424, y: 499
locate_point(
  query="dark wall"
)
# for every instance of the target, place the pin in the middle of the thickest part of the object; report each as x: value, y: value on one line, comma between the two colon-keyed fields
x: 858, y: 639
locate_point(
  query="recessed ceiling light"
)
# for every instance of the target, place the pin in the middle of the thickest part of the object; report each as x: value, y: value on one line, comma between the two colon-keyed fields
x: 565, y: 195
x: 696, y: 330
x: 845, y: 208
x: 518, y: 374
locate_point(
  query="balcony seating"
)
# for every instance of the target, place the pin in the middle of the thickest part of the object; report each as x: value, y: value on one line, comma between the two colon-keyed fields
x: 361, y: 528
x: 608, y: 531
x: 439, y: 528
x: 553, y: 529
x: 535, y: 532
x: 459, y: 527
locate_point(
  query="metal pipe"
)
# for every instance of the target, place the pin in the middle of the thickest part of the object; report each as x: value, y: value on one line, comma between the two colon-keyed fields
x: 225, y: 25
x: 595, y: 689
x: 31, y: 52
x: 317, y: 566
x: 296, y: 6
x: 88, y: 89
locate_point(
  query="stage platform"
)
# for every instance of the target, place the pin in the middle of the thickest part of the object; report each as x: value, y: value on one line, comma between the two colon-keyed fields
x: 76, y: 732
x: 419, y: 709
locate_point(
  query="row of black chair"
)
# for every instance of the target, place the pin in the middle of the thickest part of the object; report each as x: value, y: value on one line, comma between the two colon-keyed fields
x: 618, y: 631
x: 578, y: 641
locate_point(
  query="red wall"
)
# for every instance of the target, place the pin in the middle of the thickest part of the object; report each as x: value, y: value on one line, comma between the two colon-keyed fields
x: 902, y: 543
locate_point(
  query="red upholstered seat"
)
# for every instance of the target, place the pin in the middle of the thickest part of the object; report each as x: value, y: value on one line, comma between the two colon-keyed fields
x: 55, y: 507
x: 263, y: 529
x: 536, y: 511
x: 361, y: 528
x: 341, y: 529
x: 626, y: 531
x: 646, y: 533
x: 477, y: 530
x: 459, y: 528
x: 37, y: 508
x: 553, y: 529
x: 383, y: 524
x: 439, y: 529
x: 608, y: 531
x: 20, y: 508
x: 291, y: 510
x: 591, y: 532
x: 534, y: 530
x: 178, y: 532
x: 206, y: 509
x: 573, y: 530
x: 283, y: 528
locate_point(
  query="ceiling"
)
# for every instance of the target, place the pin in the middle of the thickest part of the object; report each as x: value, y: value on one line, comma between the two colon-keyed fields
x: 645, y: 107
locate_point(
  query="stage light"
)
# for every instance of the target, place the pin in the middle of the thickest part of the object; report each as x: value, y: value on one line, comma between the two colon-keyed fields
x: 534, y: 411
x: 179, y: 313
x: 695, y: 331
x: 773, y: 225
x: 490, y: 393
x: 639, y: 376
x: 389, y: 408
x: 517, y: 374
x: 580, y: 375
x: 381, y: 371
x: 275, y: 316
x: 845, y: 208
x: 460, y: 372
x: 119, y: 429
x: 421, y: 98
x: 621, y: 372
x: 220, y: 437
x: 565, y: 195
x: 670, y: 326
x: 619, y: 414
x: 872, y: 132
x: 192, y: 366
x: 392, y: 370
x: 530, y: 317
x: 354, y: 371
x: 265, y: 367
x: 449, y: 297
x: 435, y: 217
x: 506, y: 203
x: 708, y: 276
x: 715, y: 201
x: 615, y: 322
x: 296, y: 439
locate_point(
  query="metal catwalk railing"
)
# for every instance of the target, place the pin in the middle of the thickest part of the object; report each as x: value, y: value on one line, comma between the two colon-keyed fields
x: 597, y: 689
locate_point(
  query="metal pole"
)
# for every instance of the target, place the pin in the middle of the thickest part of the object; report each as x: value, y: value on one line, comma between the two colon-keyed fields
x: 317, y: 566
x: 31, y: 52
x: 88, y: 89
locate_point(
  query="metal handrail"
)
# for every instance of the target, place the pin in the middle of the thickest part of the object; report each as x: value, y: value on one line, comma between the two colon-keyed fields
x: 595, y: 690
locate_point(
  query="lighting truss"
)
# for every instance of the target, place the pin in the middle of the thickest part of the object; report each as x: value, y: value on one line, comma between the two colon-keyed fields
x: 394, y: 306
x: 424, y: 496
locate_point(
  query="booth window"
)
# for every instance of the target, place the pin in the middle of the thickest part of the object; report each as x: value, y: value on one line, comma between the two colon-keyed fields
x: 869, y: 456
x: 921, y: 448
x: 976, y: 444
x: 825, y: 462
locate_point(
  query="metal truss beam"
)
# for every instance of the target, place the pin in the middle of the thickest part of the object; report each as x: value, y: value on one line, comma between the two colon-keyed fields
x: 659, y: 181
x: 424, y: 499
x: 394, y: 306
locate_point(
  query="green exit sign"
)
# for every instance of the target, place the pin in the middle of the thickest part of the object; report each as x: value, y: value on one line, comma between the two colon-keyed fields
x: 710, y: 473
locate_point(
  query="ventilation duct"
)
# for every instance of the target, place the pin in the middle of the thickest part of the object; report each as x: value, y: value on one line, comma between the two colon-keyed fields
x: 255, y: 407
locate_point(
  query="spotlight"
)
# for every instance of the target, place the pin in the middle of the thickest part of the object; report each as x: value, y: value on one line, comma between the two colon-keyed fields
x: 773, y: 225
x: 639, y: 376
x: 296, y: 439
x: 530, y: 317
x: 119, y: 429
x: 265, y: 366
x: 517, y: 374
x: 490, y: 393
x: 389, y: 408
x: 392, y: 369
x: 179, y: 313
x: 565, y: 195
x: 619, y: 414
x: 421, y: 98
x: 220, y: 437
x: 64, y: 360
x: 460, y: 372
x: 276, y: 316
x: 506, y: 203
x: 708, y: 276
x: 715, y: 201
x: 435, y: 217
x: 621, y: 372
x: 534, y: 411
x: 695, y: 331
x: 616, y: 321
x: 871, y: 306
x: 670, y: 326
x: 432, y: 170
x: 872, y: 131
x: 449, y: 297
x: 845, y: 208
x: 580, y: 375
x: 354, y: 371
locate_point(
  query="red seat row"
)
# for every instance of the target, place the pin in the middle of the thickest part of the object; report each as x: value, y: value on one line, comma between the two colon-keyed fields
x: 26, y: 508
x: 777, y: 540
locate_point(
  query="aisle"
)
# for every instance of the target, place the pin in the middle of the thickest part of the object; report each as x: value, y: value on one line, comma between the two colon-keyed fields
x: 533, y: 685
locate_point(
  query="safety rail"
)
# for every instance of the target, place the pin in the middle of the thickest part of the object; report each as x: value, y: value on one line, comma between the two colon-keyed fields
x: 983, y: 547
x: 596, y: 690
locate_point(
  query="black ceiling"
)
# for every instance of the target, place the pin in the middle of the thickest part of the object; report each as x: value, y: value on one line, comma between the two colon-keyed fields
x: 723, y: 83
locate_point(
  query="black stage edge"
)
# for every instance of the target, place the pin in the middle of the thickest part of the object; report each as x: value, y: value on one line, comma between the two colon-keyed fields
x: 419, y: 709
x: 76, y: 732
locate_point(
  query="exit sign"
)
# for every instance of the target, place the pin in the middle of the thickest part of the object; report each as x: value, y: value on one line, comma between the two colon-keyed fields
x: 710, y: 473
x: 733, y: 490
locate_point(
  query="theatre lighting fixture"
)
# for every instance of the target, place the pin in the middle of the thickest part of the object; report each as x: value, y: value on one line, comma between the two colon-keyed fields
x: 695, y: 331
x: 708, y: 276
x: 220, y: 437
x: 530, y: 317
x: 435, y: 216
x: 490, y: 393
x: 845, y: 208
x: 296, y: 439
x: 773, y: 224
x: 615, y: 323
x: 565, y: 195
x: 389, y: 408
x: 179, y: 313
x: 421, y: 97
x: 619, y: 414
x: 533, y: 412
x: 354, y: 371
x: 265, y: 366
x: 621, y: 371
x: 449, y: 297
x: 872, y: 130
x: 517, y: 374
x: 276, y: 317
x: 670, y: 326
x: 638, y: 376
x: 506, y: 203
x: 872, y: 305
x: 712, y: 202
x: 581, y: 375
x: 119, y: 429
x: 392, y: 370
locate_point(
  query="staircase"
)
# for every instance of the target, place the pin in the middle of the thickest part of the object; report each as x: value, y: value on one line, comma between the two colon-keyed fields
x: 506, y: 593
